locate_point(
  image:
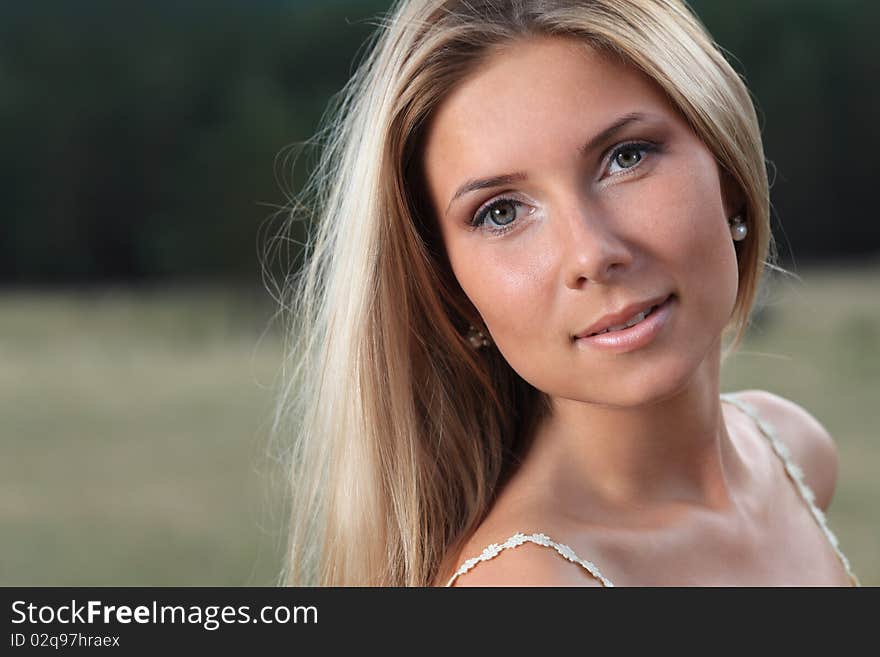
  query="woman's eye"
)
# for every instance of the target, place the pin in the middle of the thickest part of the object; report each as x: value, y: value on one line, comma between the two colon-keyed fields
x: 498, y: 216
x: 628, y: 156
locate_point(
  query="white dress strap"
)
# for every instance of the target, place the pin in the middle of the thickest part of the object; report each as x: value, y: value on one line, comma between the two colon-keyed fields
x: 796, y: 474
x: 518, y: 539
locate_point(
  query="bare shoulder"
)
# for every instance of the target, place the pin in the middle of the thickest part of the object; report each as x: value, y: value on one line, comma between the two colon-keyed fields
x: 527, y: 564
x: 811, y: 446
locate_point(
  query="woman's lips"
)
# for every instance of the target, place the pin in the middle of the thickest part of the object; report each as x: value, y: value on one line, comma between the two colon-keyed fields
x: 622, y: 317
x: 634, y: 337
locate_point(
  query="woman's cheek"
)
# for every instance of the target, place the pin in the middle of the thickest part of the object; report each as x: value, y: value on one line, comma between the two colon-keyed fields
x: 713, y: 277
x: 504, y: 305
x: 502, y: 281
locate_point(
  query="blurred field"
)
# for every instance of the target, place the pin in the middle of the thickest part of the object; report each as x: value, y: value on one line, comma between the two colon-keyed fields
x: 134, y: 426
x: 134, y: 439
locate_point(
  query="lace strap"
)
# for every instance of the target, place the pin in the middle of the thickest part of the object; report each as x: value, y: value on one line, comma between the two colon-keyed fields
x: 796, y: 474
x: 518, y: 539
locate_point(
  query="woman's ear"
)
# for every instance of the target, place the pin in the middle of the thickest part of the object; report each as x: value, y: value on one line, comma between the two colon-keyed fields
x: 732, y: 196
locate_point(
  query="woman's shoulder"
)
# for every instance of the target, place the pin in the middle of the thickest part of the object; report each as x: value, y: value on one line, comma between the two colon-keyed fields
x: 527, y: 564
x: 516, y: 549
x: 811, y: 446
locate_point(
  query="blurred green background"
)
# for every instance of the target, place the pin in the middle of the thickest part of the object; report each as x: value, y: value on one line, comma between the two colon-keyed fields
x: 145, y: 150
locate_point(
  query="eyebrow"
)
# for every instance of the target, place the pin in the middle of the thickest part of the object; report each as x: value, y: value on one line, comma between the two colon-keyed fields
x: 507, y: 178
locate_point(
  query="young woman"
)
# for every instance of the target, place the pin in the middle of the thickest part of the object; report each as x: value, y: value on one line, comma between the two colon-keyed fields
x: 539, y: 224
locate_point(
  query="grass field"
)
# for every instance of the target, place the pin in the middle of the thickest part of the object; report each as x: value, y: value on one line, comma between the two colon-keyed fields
x: 134, y: 434
x: 134, y: 426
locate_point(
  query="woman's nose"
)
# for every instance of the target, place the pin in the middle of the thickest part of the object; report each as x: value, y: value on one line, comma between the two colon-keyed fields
x: 593, y: 250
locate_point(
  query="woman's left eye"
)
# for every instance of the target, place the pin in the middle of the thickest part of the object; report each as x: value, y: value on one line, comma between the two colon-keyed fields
x: 629, y: 156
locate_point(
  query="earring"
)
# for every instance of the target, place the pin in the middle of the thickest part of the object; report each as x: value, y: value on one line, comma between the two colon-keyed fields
x: 738, y: 228
x: 477, y: 338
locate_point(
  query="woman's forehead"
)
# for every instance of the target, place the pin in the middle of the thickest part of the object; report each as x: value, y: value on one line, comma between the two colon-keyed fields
x: 534, y: 97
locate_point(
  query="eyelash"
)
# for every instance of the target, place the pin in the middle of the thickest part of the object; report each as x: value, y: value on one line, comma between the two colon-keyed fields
x: 481, y: 215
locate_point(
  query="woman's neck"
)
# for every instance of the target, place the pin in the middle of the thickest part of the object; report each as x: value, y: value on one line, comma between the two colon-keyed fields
x: 673, y: 451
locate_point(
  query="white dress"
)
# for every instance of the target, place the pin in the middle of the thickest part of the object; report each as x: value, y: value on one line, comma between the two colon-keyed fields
x: 794, y: 473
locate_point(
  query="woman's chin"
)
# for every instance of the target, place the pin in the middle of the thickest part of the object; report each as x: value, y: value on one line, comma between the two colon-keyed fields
x: 641, y: 390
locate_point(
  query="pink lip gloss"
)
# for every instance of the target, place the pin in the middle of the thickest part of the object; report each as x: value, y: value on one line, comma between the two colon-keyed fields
x: 634, y: 337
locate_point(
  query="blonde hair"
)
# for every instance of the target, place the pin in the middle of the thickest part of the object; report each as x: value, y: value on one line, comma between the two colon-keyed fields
x: 399, y: 431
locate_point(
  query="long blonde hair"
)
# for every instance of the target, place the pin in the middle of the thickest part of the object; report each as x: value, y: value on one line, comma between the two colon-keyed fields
x: 397, y: 432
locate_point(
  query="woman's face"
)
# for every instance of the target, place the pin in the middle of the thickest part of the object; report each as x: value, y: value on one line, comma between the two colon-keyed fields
x: 589, y: 225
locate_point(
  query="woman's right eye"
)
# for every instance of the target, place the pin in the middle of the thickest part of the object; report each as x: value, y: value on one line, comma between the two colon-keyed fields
x: 501, y: 212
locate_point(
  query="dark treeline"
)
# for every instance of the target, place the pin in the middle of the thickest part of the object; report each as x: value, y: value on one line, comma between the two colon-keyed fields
x: 139, y: 140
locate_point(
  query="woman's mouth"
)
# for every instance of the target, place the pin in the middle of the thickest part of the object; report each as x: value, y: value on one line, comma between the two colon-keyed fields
x: 631, y: 322
x: 637, y: 331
